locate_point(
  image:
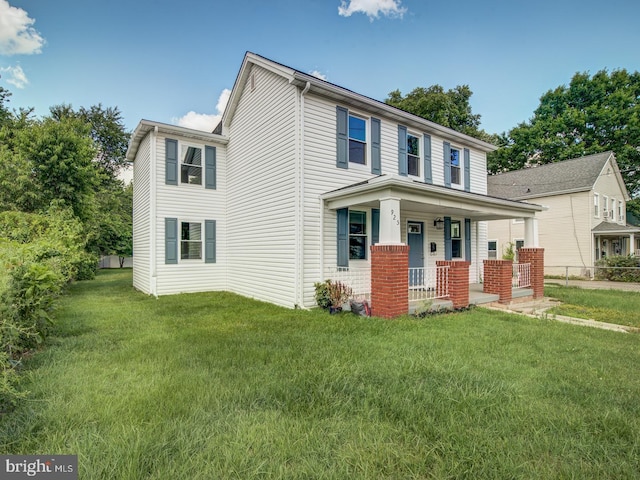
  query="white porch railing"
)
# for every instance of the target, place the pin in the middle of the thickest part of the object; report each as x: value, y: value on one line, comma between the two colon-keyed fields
x: 521, y: 277
x: 358, y: 280
x: 428, y: 283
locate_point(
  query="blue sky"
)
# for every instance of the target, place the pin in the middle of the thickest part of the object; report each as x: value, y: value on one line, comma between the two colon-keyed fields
x: 172, y: 61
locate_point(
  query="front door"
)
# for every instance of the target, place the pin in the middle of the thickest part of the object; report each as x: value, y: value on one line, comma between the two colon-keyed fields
x: 415, y: 240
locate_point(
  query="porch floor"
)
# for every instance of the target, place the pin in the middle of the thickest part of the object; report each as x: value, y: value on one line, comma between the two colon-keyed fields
x: 476, y: 297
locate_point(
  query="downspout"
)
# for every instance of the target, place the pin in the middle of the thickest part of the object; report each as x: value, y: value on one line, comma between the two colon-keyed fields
x: 153, y: 234
x: 301, y: 203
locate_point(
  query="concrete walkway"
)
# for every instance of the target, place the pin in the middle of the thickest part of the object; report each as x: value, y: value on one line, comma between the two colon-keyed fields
x: 596, y: 284
x: 538, y: 309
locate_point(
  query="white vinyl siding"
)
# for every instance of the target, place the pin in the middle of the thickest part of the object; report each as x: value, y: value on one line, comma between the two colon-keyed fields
x: 321, y: 176
x: 190, y: 204
x: 261, y: 203
x: 142, y: 217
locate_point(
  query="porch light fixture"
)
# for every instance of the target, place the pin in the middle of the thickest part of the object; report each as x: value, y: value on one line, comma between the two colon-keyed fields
x: 438, y: 223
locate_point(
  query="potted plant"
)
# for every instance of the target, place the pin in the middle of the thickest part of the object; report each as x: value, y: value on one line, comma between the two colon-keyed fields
x: 339, y: 294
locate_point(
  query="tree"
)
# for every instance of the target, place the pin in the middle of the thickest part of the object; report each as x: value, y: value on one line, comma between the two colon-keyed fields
x: 111, y: 228
x: 107, y: 131
x: 593, y: 114
x: 46, y: 160
x: 450, y: 109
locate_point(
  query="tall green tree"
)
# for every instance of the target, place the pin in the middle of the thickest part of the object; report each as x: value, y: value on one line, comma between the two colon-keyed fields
x: 46, y: 160
x: 106, y: 129
x: 592, y: 114
x: 449, y: 108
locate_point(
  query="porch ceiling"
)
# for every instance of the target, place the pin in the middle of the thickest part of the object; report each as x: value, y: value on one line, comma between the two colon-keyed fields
x: 430, y: 199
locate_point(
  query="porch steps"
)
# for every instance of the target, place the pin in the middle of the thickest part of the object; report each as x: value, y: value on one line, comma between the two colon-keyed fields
x: 476, y: 297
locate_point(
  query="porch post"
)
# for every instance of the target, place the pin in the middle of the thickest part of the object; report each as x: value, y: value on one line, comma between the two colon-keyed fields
x: 531, y: 232
x: 632, y: 244
x: 390, y: 221
x: 535, y: 257
x: 389, y: 280
x: 389, y: 265
x: 497, y: 279
x: 458, y: 281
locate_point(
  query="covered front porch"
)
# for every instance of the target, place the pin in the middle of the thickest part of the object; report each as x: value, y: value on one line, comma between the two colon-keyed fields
x: 614, y: 239
x: 431, y: 239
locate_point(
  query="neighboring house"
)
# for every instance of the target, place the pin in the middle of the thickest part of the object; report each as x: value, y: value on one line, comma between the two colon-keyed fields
x: 300, y: 179
x: 585, y: 216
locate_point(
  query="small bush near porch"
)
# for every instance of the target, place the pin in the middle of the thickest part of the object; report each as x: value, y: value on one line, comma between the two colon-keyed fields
x: 214, y: 385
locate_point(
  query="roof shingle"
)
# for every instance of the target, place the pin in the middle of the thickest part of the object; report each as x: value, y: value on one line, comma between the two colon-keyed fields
x: 552, y: 178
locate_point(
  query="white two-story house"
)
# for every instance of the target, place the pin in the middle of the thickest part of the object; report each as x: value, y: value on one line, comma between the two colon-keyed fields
x: 297, y: 182
x: 585, y: 215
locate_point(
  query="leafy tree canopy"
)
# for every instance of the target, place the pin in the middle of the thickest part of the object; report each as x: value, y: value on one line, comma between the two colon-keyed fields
x: 71, y: 159
x: 106, y: 129
x: 593, y: 114
x: 450, y: 109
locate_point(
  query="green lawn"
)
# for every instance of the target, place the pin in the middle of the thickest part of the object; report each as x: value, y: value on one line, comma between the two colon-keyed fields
x: 611, y: 306
x: 216, y: 386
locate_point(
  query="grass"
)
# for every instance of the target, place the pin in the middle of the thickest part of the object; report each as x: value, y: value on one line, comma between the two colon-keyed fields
x: 214, y: 385
x: 611, y: 306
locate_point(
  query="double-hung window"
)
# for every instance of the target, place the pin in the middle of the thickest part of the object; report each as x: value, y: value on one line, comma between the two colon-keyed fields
x: 191, y: 165
x: 413, y: 155
x: 621, y: 211
x: 187, y: 240
x: 357, y: 235
x: 456, y: 239
x: 191, y: 241
x: 357, y: 140
x: 455, y: 166
x: 492, y: 249
x: 596, y: 205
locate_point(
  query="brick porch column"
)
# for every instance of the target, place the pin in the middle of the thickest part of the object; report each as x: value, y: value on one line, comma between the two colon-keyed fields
x: 389, y: 280
x: 458, y: 281
x: 497, y: 279
x: 534, y: 256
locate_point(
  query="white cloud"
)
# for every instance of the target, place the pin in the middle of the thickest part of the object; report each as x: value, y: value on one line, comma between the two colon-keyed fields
x: 317, y: 74
x: 372, y: 8
x: 17, y: 36
x: 16, y: 75
x: 204, y: 121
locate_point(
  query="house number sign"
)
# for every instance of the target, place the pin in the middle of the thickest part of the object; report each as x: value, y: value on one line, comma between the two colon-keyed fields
x: 394, y: 218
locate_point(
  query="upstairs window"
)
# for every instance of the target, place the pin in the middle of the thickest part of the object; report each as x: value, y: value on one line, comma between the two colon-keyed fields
x: 191, y: 241
x: 455, y: 166
x: 413, y: 155
x: 620, y: 211
x: 357, y: 235
x: 357, y: 140
x: 191, y: 165
x: 612, y: 212
x: 596, y: 205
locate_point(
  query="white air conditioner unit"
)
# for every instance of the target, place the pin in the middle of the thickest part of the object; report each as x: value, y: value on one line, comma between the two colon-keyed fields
x: 605, y: 214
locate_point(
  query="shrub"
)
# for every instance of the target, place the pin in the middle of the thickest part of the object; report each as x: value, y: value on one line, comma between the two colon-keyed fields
x: 332, y: 293
x: 618, y: 268
x: 322, y: 294
x: 39, y: 255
